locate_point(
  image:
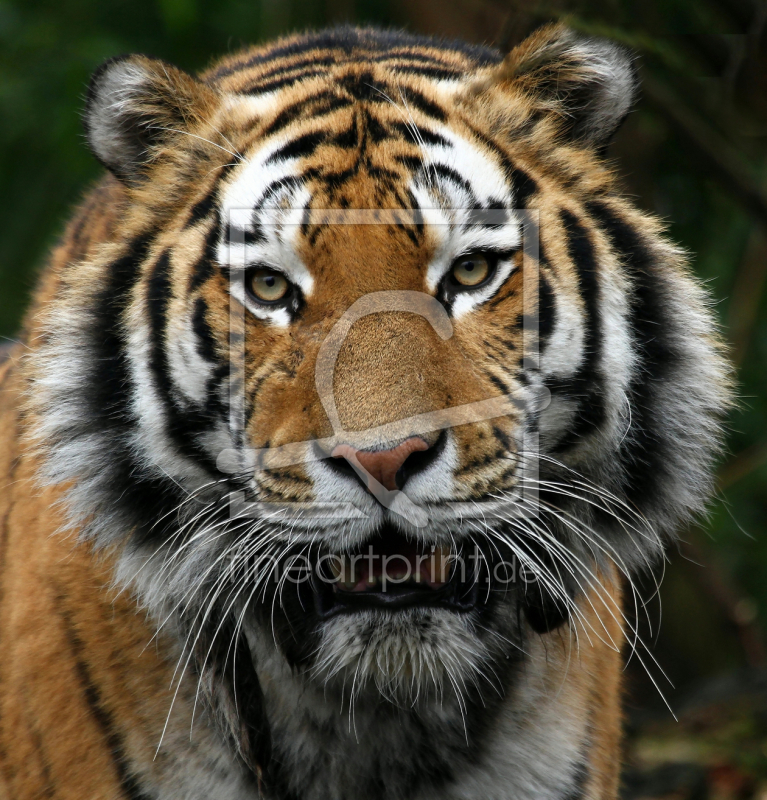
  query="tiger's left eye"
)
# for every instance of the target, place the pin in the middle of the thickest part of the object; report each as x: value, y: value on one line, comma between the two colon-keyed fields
x: 267, y: 285
x: 471, y: 270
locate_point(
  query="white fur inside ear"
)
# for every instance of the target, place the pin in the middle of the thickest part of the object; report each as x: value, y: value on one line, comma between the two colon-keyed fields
x: 110, y: 119
x: 612, y: 90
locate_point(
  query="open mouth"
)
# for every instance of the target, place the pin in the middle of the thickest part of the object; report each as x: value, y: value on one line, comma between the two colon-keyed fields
x: 390, y: 571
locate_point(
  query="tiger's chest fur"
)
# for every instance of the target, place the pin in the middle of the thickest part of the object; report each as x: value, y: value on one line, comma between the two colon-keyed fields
x: 346, y: 407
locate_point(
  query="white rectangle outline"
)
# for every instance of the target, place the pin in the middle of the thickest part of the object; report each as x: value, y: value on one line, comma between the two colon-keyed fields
x: 238, y: 223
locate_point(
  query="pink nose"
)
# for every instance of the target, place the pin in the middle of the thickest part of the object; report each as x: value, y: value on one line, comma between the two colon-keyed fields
x: 382, y: 465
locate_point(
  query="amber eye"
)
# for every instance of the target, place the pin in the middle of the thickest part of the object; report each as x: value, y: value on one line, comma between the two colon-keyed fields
x: 471, y: 270
x: 267, y: 285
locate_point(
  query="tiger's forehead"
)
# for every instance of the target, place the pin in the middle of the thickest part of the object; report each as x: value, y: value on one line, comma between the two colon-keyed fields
x: 360, y: 157
x: 292, y: 60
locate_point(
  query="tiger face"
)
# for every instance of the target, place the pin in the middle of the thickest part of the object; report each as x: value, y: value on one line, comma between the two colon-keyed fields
x: 375, y: 376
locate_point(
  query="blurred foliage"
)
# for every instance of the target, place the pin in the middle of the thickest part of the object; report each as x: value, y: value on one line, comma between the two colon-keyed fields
x: 717, y: 748
x: 694, y: 152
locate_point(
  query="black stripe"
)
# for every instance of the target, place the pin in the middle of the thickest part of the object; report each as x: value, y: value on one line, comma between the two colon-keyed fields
x: 498, y: 383
x: 316, y: 106
x: 376, y: 131
x: 248, y: 698
x: 586, y: 385
x: 346, y: 139
x: 203, y: 208
x: 300, y: 147
x: 346, y: 42
x: 645, y: 445
x: 410, y: 233
x: 418, y: 135
x: 436, y: 73
x: 524, y: 187
x: 500, y: 153
x: 412, y: 163
x: 203, y: 270
x: 237, y: 235
x: 480, y: 461
x: 333, y: 180
x: 422, y: 103
x: 364, y: 87
x: 482, y: 216
x: 287, y: 182
x: 159, y: 293
x: 547, y: 311
x: 282, y: 70
x: 382, y: 174
x: 282, y: 83
x: 141, y: 499
x: 412, y: 204
x: 110, y: 393
x: 402, y: 56
x: 293, y: 72
x: 206, y: 343
x: 449, y: 174
x: 287, y: 477
x: 183, y: 427
x: 128, y: 784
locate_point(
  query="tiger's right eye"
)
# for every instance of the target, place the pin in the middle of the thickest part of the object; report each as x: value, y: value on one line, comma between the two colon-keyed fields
x: 267, y: 285
x: 471, y: 270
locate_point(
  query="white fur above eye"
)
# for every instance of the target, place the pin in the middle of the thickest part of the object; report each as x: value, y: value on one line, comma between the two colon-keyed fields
x: 264, y: 197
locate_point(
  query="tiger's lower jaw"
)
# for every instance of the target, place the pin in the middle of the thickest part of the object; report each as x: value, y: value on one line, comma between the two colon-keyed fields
x: 417, y: 656
x: 401, y: 619
x: 404, y: 619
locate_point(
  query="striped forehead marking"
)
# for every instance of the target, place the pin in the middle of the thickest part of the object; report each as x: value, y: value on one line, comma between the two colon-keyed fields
x: 449, y: 180
x: 300, y: 58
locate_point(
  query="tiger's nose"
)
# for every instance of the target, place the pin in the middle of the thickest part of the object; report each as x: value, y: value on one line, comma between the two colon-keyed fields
x: 385, y: 466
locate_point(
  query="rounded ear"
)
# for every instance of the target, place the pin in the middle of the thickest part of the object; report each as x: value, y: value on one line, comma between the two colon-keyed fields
x: 135, y: 105
x: 590, y: 83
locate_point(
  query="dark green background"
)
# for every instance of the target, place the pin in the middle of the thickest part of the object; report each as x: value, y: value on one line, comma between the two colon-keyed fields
x: 694, y: 152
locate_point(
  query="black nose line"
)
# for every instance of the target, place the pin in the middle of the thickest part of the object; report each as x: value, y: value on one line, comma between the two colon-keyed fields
x: 420, y: 461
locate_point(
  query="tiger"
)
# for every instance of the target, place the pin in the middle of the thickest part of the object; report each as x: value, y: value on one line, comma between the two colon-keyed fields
x: 348, y: 407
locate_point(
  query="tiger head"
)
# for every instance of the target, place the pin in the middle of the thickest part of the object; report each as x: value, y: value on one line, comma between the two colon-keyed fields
x: 375, y: 372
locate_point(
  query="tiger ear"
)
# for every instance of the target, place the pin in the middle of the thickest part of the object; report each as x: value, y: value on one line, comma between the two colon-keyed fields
x: 135, y: 106
x: 591, y: 84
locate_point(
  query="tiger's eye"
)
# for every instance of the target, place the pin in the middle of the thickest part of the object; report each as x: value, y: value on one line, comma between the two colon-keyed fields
x: 471, y: 270
x: 267, y: 285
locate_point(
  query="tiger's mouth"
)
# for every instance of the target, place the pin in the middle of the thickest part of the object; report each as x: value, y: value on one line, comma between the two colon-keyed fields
x: 392, y: 572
